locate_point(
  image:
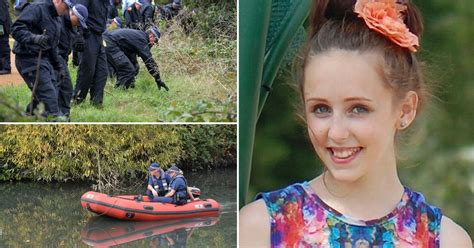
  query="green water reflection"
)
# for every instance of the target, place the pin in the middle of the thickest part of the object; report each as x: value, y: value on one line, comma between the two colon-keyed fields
x: 50, y: 215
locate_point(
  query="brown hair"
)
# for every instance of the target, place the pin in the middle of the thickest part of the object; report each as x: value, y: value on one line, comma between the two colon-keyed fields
x: 333, y: 24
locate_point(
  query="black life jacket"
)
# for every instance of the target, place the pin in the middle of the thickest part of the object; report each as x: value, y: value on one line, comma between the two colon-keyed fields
x: 181, y: 195
x: 160, y: 184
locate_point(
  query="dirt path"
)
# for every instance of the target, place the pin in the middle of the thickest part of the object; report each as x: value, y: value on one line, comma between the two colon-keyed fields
x: 11, y: 79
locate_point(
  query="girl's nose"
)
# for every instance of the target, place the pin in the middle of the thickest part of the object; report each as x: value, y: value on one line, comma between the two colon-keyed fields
x: 338, y: 131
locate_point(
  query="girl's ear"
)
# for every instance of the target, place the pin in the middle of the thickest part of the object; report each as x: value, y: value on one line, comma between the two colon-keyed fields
x: 407, y: 110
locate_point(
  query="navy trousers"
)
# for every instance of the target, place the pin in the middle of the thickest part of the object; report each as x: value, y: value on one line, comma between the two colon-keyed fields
x: 46, y: 90
x: 162, y: 199
x: 92, y: 73
x: 65, y: 90
x: 4, y: 53
x: 125, y: 70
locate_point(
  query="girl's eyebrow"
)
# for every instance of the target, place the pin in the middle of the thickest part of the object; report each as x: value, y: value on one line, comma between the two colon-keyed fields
x: 317, y: 99
x: 349, y: 99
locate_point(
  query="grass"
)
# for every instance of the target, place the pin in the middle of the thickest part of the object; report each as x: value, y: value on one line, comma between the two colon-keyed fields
x: 201, y: 75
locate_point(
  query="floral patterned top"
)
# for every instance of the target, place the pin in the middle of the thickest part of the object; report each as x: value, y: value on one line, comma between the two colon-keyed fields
x: 299, y: 218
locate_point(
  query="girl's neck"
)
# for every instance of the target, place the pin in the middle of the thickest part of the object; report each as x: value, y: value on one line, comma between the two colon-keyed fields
x: 370, y: 197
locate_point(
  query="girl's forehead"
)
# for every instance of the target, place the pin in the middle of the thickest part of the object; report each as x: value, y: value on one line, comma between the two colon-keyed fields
x: 344, y: 73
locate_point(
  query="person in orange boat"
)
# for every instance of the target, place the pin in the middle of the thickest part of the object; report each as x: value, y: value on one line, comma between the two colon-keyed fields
x: 158, y: 182
x: 179, y: 192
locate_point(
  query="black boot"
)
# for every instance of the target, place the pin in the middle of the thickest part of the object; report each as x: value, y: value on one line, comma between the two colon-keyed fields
x: 138, y: 198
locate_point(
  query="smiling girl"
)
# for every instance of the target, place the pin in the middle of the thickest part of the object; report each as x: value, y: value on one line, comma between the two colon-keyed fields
x: 361, y: 86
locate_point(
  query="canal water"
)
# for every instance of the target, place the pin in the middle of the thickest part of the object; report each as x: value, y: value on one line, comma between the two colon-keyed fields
x: 50, y: 215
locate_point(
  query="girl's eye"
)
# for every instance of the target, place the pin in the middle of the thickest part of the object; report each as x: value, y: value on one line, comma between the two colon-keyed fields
x: 321, y: 109
x: 359, y: 110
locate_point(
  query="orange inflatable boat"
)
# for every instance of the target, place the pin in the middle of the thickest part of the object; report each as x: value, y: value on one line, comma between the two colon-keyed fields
x: 126, y: 207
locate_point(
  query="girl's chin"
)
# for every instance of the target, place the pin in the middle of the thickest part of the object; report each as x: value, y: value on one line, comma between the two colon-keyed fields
x: 347, y: 175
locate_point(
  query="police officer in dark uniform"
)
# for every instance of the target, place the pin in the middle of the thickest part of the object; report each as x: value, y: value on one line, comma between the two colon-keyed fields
x: 147, y: 15
x: 36, y: 29
x: 179, y: 192
x: 158, y: 181
x: 112, y: 11
x: 123, y: 46
x: 132, y: 16
x: 5, y: 25
x: 92, y: 72
x: 77, y: 17
x: 171, y: 10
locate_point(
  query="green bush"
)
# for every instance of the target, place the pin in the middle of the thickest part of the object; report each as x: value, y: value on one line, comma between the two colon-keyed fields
x: 9, y: 110
x: 114, y: 153
x: 219, y: 149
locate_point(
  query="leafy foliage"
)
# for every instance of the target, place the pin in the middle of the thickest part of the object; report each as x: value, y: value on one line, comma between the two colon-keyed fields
x: 204, y: 111
x: 10, y: 111
x: 114, y: 152
x: 220, y: 149
x: 208, y: 50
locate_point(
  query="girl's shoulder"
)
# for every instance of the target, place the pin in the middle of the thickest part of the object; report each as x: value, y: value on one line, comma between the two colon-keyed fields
x: 254, y: 225
x: 453, y: 235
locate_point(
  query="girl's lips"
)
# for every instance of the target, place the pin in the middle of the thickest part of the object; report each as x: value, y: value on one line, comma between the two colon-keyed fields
x: 344, y: 155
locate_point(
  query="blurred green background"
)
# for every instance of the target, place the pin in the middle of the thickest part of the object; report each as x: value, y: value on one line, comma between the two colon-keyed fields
x: 438, y: 159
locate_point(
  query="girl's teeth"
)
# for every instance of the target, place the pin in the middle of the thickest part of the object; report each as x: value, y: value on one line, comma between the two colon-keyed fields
x: 345, y: 153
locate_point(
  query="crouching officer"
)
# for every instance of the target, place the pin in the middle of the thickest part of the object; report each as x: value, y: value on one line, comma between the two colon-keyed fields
x: 179, y: 192
x: 158, y: 182
x: 77, y: 17
x: 122, y: 48
x: 36, y: 29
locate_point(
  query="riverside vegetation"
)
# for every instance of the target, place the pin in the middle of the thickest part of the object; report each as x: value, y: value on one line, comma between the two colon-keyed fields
x: 111, y: 155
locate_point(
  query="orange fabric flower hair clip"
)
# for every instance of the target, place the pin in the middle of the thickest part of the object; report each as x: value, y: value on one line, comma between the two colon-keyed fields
x: 385, y: 17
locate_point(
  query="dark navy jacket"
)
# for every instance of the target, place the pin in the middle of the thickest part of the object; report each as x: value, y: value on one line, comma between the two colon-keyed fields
x: 97, y: 20
x: 35, y: 18
x: 5, y: 16
x: 112, y: 11
x: 133, y: 17
x: 67, y: 38
x: 169, y: 12
x: 147, y: 13
x: 179, y: 184
x: 133, y: 42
